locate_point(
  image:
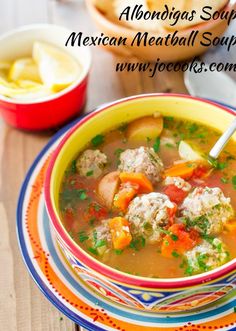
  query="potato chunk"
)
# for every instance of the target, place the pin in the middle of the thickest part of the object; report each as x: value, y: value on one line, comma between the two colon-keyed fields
x: 108, y: 186
x: 145, y: 127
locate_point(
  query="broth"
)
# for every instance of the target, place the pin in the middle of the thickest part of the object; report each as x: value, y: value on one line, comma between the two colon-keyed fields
x: 83, y: 209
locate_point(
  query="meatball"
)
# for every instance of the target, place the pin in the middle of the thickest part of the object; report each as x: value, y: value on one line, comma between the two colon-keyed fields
x: 207, y: 210
x: 100, y: 237
x: 206, y: 256
x: 148, y: 214
x: 91, y: 163
x: 178, y: 182
x: 143, y: 160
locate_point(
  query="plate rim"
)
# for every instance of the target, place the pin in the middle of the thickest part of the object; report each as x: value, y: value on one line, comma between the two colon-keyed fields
x: 21, y: 243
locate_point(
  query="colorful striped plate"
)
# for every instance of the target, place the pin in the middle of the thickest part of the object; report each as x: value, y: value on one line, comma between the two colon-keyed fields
x: 62, y: 287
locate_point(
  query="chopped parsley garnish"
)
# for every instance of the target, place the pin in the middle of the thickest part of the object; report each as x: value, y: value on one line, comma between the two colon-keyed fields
x: 218, y: 206
x: 174, y: 237
x: 219, y: 247
x: 89, y: 173
x: 169, y: 118
x: 118, y: 251
x: 216, y: 164
x: 168, y: 121
x: 97, y: 207
x: 164, y: 231
x: 137, y: 243
x: 230, y: 158
x: 72, y: 169
x: 208, y: 238
x: 202, y: 222
x: 97, y: 140
x: 193, y: 128
x: 100, y: 243
x: 222, y: 165
x: 175, y: 254
x: 169, y: 145
x: 201, y: 259
x: 143, y: 241
x: 83, y: 236
x: 201, y: 135
x: 95, y: 236
x: 182, y: 264
x: 157, y: 144
x: 72, y: 196
x: 234, y: 182
x: 148, y: 228
x: 93, y: 250
x: 191, y: 165
x: 189, y: 270
x: 182, y: 136
x: 118, y: 151
x: 73, y: 166
x: 224, y: 180
x: 83, y: 195
x: 91, y: 221
x: 123, y: 127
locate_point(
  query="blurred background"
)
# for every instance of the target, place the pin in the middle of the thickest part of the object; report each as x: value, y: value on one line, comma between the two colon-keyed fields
x: 73, y: 14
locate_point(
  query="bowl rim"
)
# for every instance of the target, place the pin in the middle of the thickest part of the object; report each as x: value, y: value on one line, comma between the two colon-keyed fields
x: 127, y: 30
x: 90, y: 261
x: 78, y: 82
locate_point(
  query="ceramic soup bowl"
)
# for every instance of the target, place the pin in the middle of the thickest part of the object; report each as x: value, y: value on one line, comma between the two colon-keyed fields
x: 158, y: 295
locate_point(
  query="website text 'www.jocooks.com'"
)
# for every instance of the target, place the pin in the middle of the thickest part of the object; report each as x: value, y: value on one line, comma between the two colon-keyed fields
x: 153, y: 68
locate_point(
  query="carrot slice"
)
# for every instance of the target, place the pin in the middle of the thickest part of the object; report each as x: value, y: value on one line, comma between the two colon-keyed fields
x: 132, y: 184
x: 123, y: 197
x: 145, y: 186
x: 171, y: 213
x: 183, y: 170
x: 120, y: 232
x: 231, y: 226
x: 178, y: 241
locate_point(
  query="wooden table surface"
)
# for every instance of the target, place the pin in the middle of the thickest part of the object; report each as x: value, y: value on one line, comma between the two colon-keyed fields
x: 22, y: 306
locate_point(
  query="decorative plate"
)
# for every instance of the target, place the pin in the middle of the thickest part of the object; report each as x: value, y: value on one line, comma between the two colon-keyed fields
x: 69, y: 294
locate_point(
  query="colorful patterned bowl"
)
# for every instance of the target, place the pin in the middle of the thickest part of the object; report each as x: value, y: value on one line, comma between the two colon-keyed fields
x: 158, y: 295
x: 54, y: 110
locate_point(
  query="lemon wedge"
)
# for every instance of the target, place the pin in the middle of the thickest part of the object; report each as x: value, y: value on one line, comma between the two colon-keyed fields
x: 24, y: 69
x: 4, y: 65
x: 57, y: 69
x: 23, y: 90
x: 4, y: 68
x: 27, y: 84
x: 33, y: 94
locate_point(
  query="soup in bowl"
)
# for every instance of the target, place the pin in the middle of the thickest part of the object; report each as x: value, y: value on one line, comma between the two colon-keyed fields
x: 142, y: 214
